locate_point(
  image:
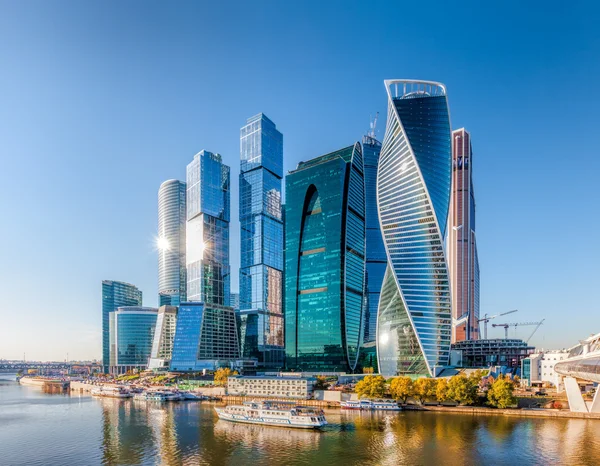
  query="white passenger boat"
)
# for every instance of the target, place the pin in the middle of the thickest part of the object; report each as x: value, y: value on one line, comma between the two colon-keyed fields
x: 273, y: 413
x: 111, y: 392
x: 158, y: 395
x: 371, y: 405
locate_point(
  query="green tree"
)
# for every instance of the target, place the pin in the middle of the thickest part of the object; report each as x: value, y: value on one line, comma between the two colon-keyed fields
x: 500, y: 394
x: 371, y: 386
x: 402, y: 388
x: 322, y: 383
x: 441, y: 390
x: 462, y: 389
x: 222, y: 374
x: 424, y: 389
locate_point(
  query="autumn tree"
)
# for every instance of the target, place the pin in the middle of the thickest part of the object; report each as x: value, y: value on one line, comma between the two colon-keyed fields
x: 424, y: 389
x: 371, y: 386
x: 402, y: 388
x: 500, y: 394
x: 222, y: 374
x: 462, y: 389
x: 322, y: 383
x: 441, y: 390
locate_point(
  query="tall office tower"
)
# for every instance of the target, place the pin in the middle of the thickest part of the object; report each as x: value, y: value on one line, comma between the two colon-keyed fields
x: 413, y: 193
x: 171, y: 243
x: 131, y: 331
x: 375, y: 251
x: 261, y: 242
x: 205, y: 338
x: 115, y: 294
x: 463, y: 263
x: 234, y: 301
x: 164, y: 333
x: 207, y: 230
x: 325, y: 262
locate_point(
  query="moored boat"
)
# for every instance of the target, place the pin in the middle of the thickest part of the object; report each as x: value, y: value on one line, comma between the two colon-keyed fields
x: 273, y: 413
x: 111, y: 392
x: 371, y: 405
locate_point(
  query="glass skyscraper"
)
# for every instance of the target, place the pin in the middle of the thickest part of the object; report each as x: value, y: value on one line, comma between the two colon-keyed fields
x: 172, y: 280
x: 207, y: 230
x: 413, y: 194
x: 325, y: 262
x: 164, y: 334
x: 131, y: 335
x: 114, y: 295
x: 261, y: 242
x: 376, y: 258
x: 463, y: 262
x: 205, y: 338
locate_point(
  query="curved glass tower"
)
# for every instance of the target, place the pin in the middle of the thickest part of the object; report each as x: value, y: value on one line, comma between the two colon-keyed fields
x: 325, y: 262
x: 171, y: 243
x: 413, y: 195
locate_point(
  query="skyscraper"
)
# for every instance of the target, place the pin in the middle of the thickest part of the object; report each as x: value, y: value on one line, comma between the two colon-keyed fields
x: 325, y: 262
x: 172, y: 281
x: 261, y: 242
x: 131, y: 334
x: 462, y: 246
x: 207, y: 230
x: 413, y: 194
x: 375, y: 251
x: 164, y: 334
x: 114, y: 295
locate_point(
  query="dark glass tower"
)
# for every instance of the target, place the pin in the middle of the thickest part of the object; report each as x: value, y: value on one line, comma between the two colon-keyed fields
x: 325, y: 262
x: 261, y: 242
x: 115, y: 294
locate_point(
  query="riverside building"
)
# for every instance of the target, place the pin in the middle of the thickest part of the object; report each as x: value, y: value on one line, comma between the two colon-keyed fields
x: 115, y: 294
x: 538, y: 368
x: 413, y: 192
x: 325, y: 262
x: 463, y: 263
x: 171, y: 243
x: 261, y: 243
x: 131, y: 336
x: 272, y: 387
x: 164, y: 334
x: 207, y: 230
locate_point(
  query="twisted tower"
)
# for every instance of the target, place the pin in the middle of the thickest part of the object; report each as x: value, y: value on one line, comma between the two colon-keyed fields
x: 413, y: 194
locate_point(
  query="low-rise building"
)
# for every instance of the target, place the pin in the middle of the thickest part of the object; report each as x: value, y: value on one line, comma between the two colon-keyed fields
x: 275, y: 387
x: 538, y: 368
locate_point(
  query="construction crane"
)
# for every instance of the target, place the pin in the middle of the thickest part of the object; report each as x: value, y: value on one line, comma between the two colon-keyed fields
x: 486, y: 319
x: 520, y: 324
x: 373, y: 124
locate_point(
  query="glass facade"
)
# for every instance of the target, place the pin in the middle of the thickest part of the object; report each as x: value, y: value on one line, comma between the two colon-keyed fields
x: 164, y: 334
x: 114, y: 295
x: 325, y: 262
x: 376, y: 258
x: 172, y: 281
x: 131, y: 336
x: 463, y: 262
x: 413, y: 194
x: 205, y: 337
x: 207, y: 230
x: 261, y: 242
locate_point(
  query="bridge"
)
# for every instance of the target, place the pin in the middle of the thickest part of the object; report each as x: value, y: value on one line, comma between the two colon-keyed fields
x: 583, y: 364
x: 43, y: 367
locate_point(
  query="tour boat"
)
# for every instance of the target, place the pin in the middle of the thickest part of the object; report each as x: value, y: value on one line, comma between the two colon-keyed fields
x: 158, y: 395
x: 273, y: 413
x: 111, y: 392
x: 371, y: 405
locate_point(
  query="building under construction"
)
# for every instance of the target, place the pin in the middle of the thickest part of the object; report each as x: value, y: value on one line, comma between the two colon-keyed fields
x: 494, y: 352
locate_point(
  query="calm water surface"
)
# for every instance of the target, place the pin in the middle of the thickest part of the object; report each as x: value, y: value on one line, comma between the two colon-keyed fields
x: 42, y: 429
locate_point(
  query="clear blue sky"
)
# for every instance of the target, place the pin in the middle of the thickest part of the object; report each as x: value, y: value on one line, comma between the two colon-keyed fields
x: 102, y: 101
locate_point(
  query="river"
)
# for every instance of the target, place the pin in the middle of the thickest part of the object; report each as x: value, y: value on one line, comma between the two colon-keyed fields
x: 42, y: 429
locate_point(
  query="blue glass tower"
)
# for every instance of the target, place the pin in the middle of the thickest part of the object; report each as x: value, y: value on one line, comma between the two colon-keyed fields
x: 413, y: 194
x: 207, y: 230
x: 325, y: 262
x: 261, y: 242
x: 114, y: 295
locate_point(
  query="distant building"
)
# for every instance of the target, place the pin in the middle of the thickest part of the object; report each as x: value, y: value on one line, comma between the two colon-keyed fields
x: 164, y: 334
x: 375, y: 250
x: 538, y: 368
x: 207, y: 230
x: 325, y: 262
x: 495, y: 352
x: 172, y: 281
x: 115, y: 294
x: 131, y: 336
x: 234, y: 301
x: 272, y: 387
x: 463, y: 263
x: 205, y: 338
x: 261, y: 242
